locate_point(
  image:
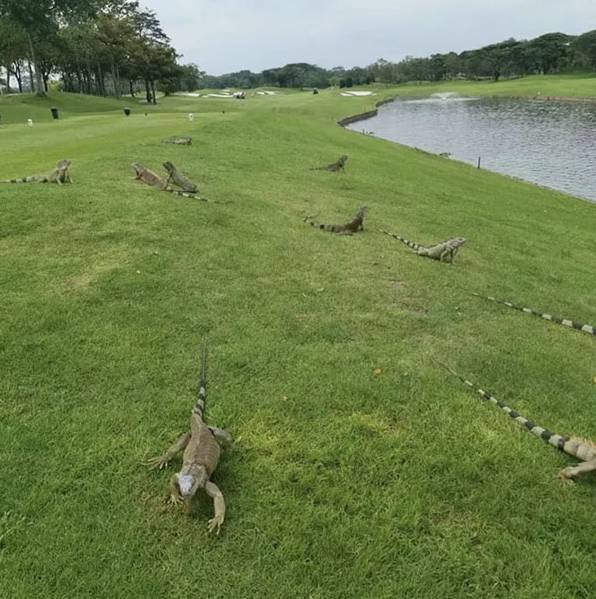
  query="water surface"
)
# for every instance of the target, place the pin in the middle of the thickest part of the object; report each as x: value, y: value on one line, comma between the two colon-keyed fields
x: 552, y: 143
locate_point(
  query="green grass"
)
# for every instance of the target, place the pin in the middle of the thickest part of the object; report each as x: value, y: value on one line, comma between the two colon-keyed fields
x: 565, y: 86
x: 343, y: 483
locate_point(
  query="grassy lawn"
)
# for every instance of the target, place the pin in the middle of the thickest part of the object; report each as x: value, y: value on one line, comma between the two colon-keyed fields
x: 570, y: 86
x: 345, y: 482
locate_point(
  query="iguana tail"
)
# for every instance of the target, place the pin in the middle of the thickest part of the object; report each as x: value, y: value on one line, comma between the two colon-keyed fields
x: 331, y: 228
x: 586, y: 328
x: 22, y: 180
x: 199, y: 408
x: 584, y: 450
x: 184, y: 194
x: 409, y: 243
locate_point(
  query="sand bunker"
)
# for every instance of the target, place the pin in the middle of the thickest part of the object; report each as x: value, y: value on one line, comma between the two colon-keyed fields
x: 357, y: 94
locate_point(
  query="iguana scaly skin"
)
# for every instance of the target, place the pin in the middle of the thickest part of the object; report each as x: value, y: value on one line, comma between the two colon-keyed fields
x: 586, y: 328
x: 578, y: 448
x: 179, y: 179
x: 355, y: 225
x: 150, y: 178
x: 202, y: 447
x: 59, y: 175
x: 441, y: 251
x: 179, y: 141
x: 334, y: 167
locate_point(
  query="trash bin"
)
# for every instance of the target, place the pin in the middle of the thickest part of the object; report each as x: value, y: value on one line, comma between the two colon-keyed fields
x: 127, y: 111
x: 55, y: 113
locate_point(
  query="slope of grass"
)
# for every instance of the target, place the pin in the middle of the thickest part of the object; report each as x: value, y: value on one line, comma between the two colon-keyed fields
x: 361, y: 469
x: 565, y: 86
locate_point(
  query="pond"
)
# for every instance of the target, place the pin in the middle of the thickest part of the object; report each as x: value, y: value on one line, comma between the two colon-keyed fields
x: 552, y: 143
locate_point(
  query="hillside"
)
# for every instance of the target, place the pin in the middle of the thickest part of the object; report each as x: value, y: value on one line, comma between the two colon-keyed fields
x: 361, y: 468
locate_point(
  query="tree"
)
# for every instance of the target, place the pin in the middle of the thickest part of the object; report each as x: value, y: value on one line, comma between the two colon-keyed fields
x: 39, y: 18
x: 585, y: 48
x: 552, y: 51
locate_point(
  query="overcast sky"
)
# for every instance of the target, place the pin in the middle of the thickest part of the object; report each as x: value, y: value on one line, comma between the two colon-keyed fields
x: 229, y: 35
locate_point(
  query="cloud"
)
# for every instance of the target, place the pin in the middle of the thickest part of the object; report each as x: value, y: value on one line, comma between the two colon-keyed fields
x: 229, y: 35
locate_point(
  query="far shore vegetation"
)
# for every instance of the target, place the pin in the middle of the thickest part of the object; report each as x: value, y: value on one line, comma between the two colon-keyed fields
x: 117, y: 47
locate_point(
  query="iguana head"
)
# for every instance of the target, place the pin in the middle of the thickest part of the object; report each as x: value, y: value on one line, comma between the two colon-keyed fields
x: 362, y: 211
x: 189, y: 484
x: 63, y: 165
x: 459, y: 240
x: 138, y: 167
x: 169, y: 166
x: 343, y: 159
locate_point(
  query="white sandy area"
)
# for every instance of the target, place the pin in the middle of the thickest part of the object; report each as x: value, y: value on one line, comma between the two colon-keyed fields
x: 357, y: 94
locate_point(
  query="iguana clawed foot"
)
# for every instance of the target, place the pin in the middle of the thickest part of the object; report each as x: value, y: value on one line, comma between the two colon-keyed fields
x: 215, y: 523
x: 158, y: 462
x: 564, y: 478
x: 175, y: 499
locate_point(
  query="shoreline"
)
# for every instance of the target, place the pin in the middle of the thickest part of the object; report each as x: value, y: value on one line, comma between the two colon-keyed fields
x: 363, y: 116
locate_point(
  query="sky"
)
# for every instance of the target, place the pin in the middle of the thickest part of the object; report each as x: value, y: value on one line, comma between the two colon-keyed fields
x: 224, y: 36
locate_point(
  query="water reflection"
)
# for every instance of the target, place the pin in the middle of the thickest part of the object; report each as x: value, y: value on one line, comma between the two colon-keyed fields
x: 548, y: 142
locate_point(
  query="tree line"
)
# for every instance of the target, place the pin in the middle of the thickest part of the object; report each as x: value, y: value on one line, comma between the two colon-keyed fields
x: 116, y: 47
x: 102, y: 47
x: 549, y: 53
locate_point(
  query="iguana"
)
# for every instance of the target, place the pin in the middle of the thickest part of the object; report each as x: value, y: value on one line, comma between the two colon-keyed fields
x: 355, y: 225
x: 176, y: 177
x: 581, y: 449
x: 149, y: 177
x: 586, y: 328
x: 202, y: 447
x: 334, y: 167
x: 440, y: 251
x: 59, y: 175
x: 179, y: 141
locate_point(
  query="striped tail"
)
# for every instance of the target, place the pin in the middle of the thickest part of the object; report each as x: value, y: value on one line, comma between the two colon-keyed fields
x: 199, y: 408
x: 186, y: 194
x: 547, y: 436
x: 586, y: 328
x: 409, y: 243
x: 23, y: 180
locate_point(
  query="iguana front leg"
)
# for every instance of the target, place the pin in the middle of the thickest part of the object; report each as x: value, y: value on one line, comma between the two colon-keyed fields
x: 569, y: 473
x: 175, y: 497
x: 219, y: 507
x: 161, y: 461
x: 444, y: 255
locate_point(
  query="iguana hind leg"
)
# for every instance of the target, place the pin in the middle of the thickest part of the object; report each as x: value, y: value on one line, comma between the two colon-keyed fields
x: 161, y: 461
x: 569, y: 473
x: 223, y: 437
x: 219, y: 507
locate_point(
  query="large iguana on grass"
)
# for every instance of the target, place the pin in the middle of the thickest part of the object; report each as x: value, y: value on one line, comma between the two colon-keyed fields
x: 441, y: 251
x: 176, y: 177
x: 150, y: 178
x: 179, y: 141
x: 586, y: 328
x: 59, y: 175
x: 334, y: 167
x: 355, y: 225
x: 202, y: 447
x: 578, y: 448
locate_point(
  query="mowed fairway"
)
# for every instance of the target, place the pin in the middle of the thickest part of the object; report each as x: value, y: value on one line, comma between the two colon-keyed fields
x: 361, y: 468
